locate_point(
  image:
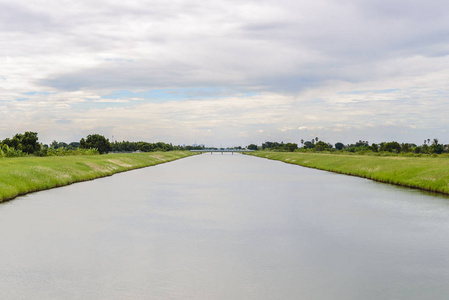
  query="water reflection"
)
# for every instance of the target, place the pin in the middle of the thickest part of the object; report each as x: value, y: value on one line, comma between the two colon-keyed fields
x: 225, y: 227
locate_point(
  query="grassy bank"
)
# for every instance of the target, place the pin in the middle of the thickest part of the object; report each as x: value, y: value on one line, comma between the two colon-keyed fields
x: 22, y: 175
x: 426, y: 173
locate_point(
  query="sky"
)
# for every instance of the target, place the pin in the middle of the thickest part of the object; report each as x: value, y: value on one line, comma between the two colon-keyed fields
x: 225, y: 73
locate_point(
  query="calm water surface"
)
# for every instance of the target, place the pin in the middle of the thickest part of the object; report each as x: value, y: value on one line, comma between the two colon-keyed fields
x: 225, y: 227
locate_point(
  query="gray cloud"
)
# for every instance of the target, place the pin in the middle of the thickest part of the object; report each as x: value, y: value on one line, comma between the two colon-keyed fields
x: 310, y: 54
x: 264, y: 50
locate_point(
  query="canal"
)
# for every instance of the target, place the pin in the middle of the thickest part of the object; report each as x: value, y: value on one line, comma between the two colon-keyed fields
x: 225, y: 227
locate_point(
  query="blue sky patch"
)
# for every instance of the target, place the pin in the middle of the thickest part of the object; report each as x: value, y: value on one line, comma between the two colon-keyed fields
x: 369, y: 92
x: 162, y: 95
x: 36, y: 93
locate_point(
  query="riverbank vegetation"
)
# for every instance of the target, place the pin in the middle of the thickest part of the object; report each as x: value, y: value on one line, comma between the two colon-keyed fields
x: 361, y: 147
x: 426, y: 172
x: 27, y: 144
x: 22, y: 175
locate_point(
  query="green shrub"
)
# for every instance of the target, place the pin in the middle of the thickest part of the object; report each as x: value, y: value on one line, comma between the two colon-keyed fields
x: 6, y: 151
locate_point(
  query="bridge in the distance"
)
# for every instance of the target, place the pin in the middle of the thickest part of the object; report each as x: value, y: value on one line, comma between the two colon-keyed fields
x: 222, y: 150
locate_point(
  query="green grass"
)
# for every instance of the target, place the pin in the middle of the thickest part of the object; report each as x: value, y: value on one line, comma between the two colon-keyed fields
x: 426, y: 173
x: 22, y: 175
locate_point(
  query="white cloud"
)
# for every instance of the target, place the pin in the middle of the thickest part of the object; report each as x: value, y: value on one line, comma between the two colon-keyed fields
x: 273, y: 69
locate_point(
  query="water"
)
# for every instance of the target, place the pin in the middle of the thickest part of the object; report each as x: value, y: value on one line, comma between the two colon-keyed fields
x: 225, y: 227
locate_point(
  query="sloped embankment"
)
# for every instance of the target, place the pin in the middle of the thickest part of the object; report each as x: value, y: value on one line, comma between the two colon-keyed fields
x: 425, y: 173
x: 22, y: 175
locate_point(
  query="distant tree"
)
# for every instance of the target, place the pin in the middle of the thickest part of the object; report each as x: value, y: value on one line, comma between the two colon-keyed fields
x: 194, y: 147
x: 27, y: 142
x: 145, y: 147
x: 56, y: 145
x: 96, y: 141
x: 73, y: 145
x: 435, y: 147
x: 339, y: 146
x: 271, y: 145
x: 405, y: 147
x: 321, y: 146
x: 11, y: 143
x: 361, y: 143
x: 309, y: 144
x: 391, y: 147
x: 266, y: 145
x: 252, y: 147
x: 291, y: 146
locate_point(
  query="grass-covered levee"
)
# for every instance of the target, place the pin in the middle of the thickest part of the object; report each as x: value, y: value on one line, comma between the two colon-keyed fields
x: 22, y: 175
x: 430, y: 173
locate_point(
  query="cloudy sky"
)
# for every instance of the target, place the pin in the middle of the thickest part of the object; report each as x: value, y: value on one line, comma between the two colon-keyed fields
x: 225, y: 72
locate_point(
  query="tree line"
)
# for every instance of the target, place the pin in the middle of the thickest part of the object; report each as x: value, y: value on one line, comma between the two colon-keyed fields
x: 27, y: 143
x: 428, y: 147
